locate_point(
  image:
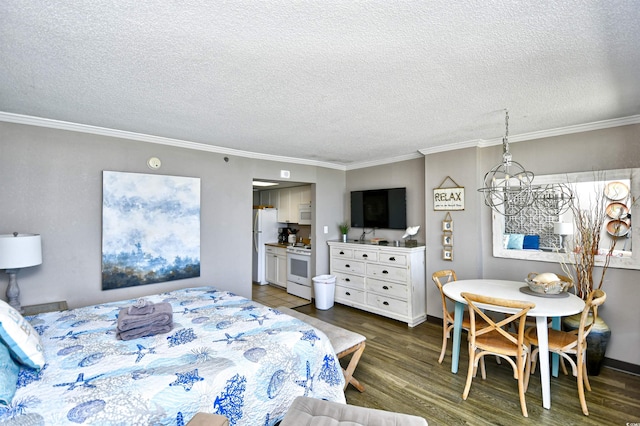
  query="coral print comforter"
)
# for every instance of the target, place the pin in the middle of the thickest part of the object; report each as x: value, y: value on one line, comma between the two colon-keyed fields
x: 225, y: 354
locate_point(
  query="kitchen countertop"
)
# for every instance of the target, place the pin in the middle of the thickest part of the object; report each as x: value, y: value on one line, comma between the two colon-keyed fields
x: 279, y: 245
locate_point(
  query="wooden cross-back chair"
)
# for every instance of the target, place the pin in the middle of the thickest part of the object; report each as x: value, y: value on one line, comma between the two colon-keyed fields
x: 442, y: 278
x: 493, y: 338
x: 572, y: 343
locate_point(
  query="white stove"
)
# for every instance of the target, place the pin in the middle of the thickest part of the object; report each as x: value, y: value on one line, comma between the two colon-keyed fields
x: 299, y: 270
x: 304, y: 250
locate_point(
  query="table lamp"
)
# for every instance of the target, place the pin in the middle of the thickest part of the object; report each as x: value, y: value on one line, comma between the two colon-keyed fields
x: 18, y: 251
x: 563, y: 229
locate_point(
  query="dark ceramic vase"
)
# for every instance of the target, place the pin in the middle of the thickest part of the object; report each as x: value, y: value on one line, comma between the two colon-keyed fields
x: 597, y: 341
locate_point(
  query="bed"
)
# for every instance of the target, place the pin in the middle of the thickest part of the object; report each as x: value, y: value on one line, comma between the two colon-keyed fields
x: 225, y: 355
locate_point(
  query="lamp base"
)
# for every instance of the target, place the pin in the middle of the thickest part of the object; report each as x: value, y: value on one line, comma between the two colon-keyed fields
x: 13, y: 291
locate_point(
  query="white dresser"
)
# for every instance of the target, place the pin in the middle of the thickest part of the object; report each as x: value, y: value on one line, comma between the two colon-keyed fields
x: 384, y: 280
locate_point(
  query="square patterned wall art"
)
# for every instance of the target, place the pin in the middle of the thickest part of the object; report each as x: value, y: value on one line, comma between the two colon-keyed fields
x: 150, y: 229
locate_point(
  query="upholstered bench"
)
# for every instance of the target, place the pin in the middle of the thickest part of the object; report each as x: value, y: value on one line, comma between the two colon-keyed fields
x: 307, y: 411
x: 208, y: 419
x: 344, y: 342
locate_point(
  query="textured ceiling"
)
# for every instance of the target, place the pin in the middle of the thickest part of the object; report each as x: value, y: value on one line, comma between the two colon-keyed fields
x: 337, y: 81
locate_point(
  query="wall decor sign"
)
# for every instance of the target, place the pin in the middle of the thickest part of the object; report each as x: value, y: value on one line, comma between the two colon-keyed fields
x: 150, y: 229
x: 447, y: 237
x: 451, y: 198
x: 447, y: 253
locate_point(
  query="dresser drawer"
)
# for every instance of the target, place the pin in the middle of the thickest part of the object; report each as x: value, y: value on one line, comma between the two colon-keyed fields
x: 346, y: 265
x: 351, y: 281
x: 387, y: 304
x: 367, y: 255
x: 348, y: 295
x: 387, y: 288
x: 385, y: 272
x: 341, y: 253
x: 391, y: 258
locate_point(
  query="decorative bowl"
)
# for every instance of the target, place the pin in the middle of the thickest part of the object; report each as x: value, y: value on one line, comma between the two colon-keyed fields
x: 548, y: 283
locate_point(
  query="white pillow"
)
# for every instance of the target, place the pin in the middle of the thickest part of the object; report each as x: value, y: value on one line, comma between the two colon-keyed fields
x: 20, y: 337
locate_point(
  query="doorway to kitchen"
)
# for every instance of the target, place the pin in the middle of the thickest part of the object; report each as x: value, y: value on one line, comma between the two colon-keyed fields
x: 273, y: 239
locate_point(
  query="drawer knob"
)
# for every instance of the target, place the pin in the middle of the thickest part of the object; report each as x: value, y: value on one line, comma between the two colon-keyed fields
x: 365, y: 255
x: 385, y: 303
x: 385, y: 272
x: 347, y: 266
x: 392, y: 259
x: 384, y: 287
x: 341, y: 252
x: 347, y: 293
x: 347, y: 279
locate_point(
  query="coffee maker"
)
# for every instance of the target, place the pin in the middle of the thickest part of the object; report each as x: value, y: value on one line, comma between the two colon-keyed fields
x: 283, y: 235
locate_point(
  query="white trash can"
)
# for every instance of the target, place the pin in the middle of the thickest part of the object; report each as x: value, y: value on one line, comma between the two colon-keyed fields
x: 324, y: 288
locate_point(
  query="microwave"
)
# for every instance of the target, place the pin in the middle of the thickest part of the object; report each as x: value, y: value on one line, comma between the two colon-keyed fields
x: 304, y: 214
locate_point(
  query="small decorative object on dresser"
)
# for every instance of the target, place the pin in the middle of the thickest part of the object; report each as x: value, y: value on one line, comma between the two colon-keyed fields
x: 344, y: 230
x: 411, y: 232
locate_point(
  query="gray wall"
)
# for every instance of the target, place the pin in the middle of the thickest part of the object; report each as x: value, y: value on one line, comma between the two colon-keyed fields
x: 614, y: 148
x: 409, y: 174
x: 51, y: 184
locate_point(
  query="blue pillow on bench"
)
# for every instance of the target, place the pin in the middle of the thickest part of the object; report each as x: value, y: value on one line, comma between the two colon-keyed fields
x: 531, y: 242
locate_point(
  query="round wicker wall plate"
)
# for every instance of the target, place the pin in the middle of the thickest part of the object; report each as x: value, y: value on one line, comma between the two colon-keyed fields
x: 617, y: 211
x: 618, y: 228
x: 616, y: 191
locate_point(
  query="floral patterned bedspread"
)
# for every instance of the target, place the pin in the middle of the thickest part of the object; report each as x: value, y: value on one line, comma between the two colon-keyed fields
x: 225, y: 355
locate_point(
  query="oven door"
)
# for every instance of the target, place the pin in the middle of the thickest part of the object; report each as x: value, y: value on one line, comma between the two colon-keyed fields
x: 299, y: 268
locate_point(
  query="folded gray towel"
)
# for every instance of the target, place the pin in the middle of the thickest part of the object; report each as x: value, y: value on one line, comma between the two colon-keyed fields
x: 161, y: 314
x: 148, y: 330
x: 141, y: 307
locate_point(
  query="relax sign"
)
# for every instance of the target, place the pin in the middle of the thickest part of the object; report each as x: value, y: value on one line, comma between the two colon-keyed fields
x: 448, y: 198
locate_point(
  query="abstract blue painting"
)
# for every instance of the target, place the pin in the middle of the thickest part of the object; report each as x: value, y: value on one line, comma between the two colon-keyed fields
x: 150, y: 229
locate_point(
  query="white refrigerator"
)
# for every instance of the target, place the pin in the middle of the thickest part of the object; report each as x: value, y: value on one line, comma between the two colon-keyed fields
x: 265, y: 230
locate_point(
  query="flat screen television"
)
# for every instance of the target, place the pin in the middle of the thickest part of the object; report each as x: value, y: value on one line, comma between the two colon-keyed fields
x: 379, y: 208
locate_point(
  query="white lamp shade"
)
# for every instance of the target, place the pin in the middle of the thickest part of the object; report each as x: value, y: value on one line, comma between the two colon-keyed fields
x: 20, y: 251
x: 563, y: 228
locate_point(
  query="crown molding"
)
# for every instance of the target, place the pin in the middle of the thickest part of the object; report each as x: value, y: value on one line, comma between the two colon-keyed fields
x: 141, y: 137
x: 452, y: 146
x: 560, y: 131
x: 365, y: 164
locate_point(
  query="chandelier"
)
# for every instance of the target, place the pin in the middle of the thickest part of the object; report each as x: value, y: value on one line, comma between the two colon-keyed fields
x: 508, y: 186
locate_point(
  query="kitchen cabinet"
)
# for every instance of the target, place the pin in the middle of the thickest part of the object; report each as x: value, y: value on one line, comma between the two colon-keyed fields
x: 289, y: 200
x: 269, y: 198
x: 276, y: 265
x: 284, y: 206
x: 305, y: 194
x: 384, y: 280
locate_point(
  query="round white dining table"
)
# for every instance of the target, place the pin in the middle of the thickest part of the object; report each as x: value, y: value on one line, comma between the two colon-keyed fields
x: 546, y: 307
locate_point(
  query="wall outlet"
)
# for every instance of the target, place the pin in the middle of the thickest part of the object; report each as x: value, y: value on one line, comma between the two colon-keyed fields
x: 326, y: 229
x: 285, y: 174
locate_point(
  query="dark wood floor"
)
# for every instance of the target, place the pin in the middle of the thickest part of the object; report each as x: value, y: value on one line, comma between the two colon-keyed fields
x: 401, y: 373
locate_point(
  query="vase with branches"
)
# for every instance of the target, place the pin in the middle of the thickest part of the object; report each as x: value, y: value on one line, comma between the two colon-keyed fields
x: 589, y: 222
x: 586, y: 254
